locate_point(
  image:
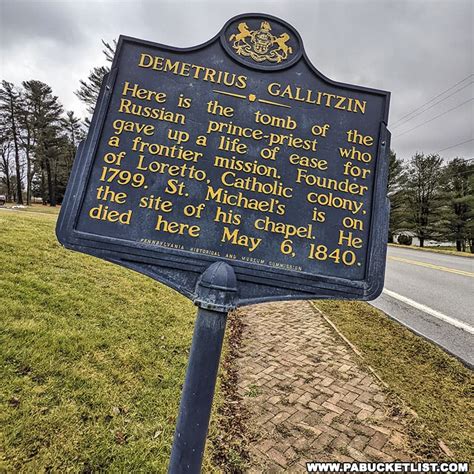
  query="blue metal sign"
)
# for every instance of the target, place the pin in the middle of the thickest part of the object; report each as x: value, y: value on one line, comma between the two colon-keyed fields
x: 237, y: 151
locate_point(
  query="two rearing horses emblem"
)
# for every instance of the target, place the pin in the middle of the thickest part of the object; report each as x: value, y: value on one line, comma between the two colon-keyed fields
x: 260, y: 44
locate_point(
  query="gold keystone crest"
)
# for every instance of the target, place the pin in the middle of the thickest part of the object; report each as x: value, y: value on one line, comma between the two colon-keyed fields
x: 260, y: 44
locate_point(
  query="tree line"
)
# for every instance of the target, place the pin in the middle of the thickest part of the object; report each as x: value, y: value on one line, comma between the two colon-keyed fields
x: 430, y: 199
x: 38, y: 142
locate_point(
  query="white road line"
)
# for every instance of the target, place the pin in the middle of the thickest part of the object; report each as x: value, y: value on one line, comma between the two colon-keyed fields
x: 431, y: 311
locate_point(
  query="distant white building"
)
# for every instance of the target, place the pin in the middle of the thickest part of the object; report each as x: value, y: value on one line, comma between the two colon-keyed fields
x: 416, y: 241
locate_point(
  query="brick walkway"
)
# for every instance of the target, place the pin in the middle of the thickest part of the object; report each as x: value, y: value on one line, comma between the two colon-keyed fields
x: 308, y: 396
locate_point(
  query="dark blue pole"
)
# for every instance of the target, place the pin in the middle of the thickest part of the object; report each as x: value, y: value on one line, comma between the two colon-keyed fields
x: 215, y: 294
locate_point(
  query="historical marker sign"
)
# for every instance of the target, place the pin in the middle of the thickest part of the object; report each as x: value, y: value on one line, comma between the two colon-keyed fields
x: 236, y: 173
x: 237, y: 150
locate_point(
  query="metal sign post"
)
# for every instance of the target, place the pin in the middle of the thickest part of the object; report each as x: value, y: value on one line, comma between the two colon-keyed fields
x: 215, y: 296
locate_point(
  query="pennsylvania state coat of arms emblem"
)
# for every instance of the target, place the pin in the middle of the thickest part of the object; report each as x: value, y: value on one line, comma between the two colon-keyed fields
x: 260, y: 44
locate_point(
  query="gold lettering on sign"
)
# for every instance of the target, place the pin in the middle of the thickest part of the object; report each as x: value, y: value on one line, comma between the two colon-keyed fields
x: 255, y: 174
x: 179, y: 68
x: 320, y: 98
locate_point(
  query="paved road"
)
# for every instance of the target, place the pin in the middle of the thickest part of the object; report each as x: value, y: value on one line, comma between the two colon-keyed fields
x: 432, y: 294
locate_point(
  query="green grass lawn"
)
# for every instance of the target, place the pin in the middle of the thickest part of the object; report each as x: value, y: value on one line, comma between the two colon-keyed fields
x: 429, y: 381
x: 92, y: 357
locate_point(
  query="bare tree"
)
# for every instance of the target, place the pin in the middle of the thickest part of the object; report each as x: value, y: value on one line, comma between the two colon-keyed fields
x: 9, y: 107
x: 89, y: 89
x: 27, y: 137
x: 423, y: 196
x: 75, y: 133
x: 6, y: 161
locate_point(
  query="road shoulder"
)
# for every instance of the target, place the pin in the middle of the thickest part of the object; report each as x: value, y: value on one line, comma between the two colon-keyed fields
x: 438, y: 250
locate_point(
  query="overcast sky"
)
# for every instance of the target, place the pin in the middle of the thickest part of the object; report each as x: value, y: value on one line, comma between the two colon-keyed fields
x: 415, y: 49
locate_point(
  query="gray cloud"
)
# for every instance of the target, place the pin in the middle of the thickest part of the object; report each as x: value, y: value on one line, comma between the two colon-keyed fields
x: 27, y: 21
x: 415, y: 49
